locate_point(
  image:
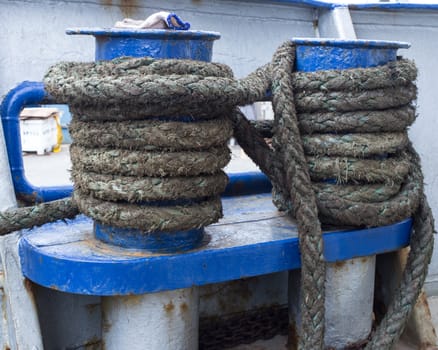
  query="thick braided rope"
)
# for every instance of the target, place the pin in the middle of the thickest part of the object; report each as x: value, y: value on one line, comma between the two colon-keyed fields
x: 154, y: 163
x: 395, y: 73
x: 289, y: 148
x: 28, y: 217
x: 387, y: 120
x: 146, y: 170
x: 414, y: 274
x: 143, y: 189
x: 151, y: 218
x: 152, y: 134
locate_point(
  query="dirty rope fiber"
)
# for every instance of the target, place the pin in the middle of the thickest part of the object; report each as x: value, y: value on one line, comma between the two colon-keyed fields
x: 330, y: 131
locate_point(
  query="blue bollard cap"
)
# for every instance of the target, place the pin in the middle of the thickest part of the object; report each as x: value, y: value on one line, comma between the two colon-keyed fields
x: 145, y: 33
x: 156, y: 43
x: 315, y: 54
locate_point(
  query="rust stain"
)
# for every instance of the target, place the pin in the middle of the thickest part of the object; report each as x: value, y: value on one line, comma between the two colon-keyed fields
x: 364, y: 260
x: 127, y: 7
x: 293, y: 337
x: 4, y: 311
x: 54, y: 287
x: 231, y: 296
x: 28, y: 285
x: 358, y: 345
x: 423, y: 303
x: 169, y: 307
x: 91, y: 307
x: 106, y: 325
x: 93, y: 344
x: 108, y: 249
x: 340, y: 264
x: 29, y: 198
x: 132, y: 300
x: 184, y: 307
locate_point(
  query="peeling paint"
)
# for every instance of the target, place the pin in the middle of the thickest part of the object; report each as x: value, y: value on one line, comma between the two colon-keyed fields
x: 293, y: 337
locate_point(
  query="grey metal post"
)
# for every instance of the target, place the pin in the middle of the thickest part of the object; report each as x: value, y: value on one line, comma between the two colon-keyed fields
x: 157, y: 321
x: 348, y: 301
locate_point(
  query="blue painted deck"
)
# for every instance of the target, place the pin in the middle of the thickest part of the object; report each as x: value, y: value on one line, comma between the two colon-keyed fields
x: 252, y: 239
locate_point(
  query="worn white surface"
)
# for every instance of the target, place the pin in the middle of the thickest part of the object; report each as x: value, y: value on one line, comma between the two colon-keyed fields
x: 4, y: 330
x: 23, y: 329
x: 158, y: 321
x: 420, y: 28
x: 348, y: 301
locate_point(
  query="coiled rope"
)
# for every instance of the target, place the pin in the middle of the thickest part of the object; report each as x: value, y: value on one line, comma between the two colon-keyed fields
x: 340, y: 154
x: 132, y: 166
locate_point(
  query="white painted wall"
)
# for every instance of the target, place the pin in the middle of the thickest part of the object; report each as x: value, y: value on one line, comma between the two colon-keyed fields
x: 32, y: 32
x: 420, y: 28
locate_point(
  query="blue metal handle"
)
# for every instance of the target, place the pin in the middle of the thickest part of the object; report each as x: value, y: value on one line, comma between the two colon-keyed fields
x: 26, y: 93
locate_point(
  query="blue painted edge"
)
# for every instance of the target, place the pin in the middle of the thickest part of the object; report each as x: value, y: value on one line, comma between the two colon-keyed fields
x: 145, y: 33
x: 167, y: 272
x: 351, y: 44
x: 26, y: 93
x: 314, y: 54
x: 393, y: 6
x: 156, y: 242
x: 359, y: 6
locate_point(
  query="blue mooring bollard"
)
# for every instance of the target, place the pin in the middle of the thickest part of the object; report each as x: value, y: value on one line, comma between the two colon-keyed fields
x: 350, y: 285
x: 146, y: 312
x: 156, y: 43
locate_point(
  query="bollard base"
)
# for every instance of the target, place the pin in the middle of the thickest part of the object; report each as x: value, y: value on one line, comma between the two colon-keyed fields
x: 155, y: 242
